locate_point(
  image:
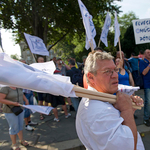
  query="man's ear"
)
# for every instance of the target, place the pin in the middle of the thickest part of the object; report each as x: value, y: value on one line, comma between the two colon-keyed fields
x: 90, y: 77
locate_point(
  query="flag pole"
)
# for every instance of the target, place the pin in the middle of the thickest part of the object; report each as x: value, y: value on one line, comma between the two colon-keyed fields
x: 120, y: 48
x: 31, y: 52
x: 99, y: 42
x: 33, y: 56
x: 91, y: 45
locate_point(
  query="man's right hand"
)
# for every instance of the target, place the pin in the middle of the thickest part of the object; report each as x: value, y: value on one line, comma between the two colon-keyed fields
x: 123, y: 102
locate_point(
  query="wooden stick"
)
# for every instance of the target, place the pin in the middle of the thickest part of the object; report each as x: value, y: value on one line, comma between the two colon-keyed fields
x: 99, y: 42
x: 82, y: 90
x: 120, y: 48
x: 105, y: 99
x: 91, y: 45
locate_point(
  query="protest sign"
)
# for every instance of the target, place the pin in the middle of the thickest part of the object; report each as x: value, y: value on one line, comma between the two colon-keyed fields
x: 36, y: 45
x: 141, y: 31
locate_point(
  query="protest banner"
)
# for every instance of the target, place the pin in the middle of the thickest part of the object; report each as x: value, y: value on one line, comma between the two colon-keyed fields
x: 36, y: 45
x: 89, y: 26
x: 141, y: 29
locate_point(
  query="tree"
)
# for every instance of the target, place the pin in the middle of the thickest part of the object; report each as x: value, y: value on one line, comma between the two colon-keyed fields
x: 50, y: 20
x: 125, y: 21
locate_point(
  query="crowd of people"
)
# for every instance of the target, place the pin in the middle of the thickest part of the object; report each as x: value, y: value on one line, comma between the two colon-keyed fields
x: 101, y: 72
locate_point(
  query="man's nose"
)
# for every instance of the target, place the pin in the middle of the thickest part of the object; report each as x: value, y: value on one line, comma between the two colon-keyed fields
x: 115, y: 74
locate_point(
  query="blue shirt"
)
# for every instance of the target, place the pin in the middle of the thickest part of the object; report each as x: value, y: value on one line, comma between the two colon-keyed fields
x: 142, y: 65
x: 124, y: 79
x: 134, y: 63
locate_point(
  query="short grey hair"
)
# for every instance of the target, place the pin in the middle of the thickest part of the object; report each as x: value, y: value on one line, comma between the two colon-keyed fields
x: 91, y: 62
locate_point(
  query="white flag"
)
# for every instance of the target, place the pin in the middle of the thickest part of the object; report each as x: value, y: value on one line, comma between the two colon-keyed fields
x: 129, y: 90
x: 41, y: 109
x: 117, y: 30
x: 48, y: 67
x: 88, y: 25
x: 105, y: 30
x: 36, y: 45
x: 14, y: 73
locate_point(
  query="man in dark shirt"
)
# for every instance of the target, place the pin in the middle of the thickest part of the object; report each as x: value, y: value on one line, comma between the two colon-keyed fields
x: 145, y: 70
x: 75, y: 80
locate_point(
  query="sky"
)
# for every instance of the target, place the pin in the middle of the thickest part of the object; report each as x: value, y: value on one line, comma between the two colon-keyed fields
x: 140, y: 7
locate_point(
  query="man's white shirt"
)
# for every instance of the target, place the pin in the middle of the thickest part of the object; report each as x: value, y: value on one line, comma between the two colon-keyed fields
x: 99, y: 127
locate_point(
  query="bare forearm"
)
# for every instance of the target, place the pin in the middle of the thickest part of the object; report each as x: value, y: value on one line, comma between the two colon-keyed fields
x: 129, y: 121
x: 145, y: 71
x: 7, y: 102
x: 68, y: 68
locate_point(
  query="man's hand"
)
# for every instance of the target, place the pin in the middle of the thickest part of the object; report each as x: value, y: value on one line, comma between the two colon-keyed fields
x: 137, y: 100
x: 124, y: 102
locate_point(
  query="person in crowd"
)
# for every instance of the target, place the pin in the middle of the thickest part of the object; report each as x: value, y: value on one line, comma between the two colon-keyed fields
x: 54, y: 60
x: 145, y: 71
x: 41, y: 96
x: 27, y: 114
x: 12, y: 96
x: 126, y: 64
x: 141, y: 55
x: 67, y: 60
x: 76, y: 65
x: 61, y: 69
x: 124, y: 76
x: 99, y: 49
x: 134, y: 62
x: 76, y: 78
x: 101, y: 125
x: 60, y: 100
x: 82, y: 65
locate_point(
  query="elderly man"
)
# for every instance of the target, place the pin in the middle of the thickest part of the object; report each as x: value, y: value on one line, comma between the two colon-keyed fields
x: 101, y: 125
x: 145, y: 70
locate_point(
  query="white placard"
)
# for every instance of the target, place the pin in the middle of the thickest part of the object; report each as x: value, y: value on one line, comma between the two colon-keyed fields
x: 36, y: 45
x: 141, y: 31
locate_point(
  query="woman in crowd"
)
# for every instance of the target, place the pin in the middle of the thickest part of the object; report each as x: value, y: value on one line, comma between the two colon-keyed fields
x: 10, y: 97
x: 125, y: 76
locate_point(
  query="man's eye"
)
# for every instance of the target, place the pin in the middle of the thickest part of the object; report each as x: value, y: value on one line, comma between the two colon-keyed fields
x: 107, y: 71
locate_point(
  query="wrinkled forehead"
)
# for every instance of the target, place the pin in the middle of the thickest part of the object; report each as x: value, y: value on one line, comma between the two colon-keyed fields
x: 105, y: 64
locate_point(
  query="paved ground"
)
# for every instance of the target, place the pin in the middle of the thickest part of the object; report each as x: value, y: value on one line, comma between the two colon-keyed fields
x: 50, y: 135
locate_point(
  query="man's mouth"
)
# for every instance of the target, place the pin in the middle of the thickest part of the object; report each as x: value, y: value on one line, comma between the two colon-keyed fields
x: 115, y: 83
